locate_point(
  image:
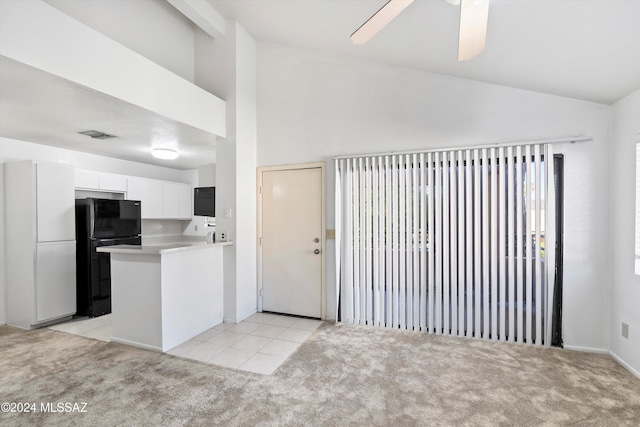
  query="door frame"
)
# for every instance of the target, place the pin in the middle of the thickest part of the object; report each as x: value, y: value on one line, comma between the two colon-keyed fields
x: 323, y: 239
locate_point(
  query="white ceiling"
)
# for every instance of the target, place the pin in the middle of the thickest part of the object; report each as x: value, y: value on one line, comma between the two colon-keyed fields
x: 584, y: 49
x: 39, y: 107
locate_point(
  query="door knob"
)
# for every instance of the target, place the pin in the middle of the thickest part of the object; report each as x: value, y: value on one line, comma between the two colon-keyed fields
x: 316, y: 240
x: 317, y: 251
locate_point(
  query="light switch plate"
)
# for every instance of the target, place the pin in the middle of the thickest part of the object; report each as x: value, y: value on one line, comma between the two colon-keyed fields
x: 625, y: 330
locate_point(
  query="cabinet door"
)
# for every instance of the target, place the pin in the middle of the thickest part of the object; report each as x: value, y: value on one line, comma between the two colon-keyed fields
x: 149, y: 192
x: 185, y: 201
x: 113, y: 182
x: 55, y: 280
x: 87, y: 179
x: 55, y: 196
x: 171, y: 200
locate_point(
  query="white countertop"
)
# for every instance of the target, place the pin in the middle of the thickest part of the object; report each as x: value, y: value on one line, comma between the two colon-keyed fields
x: 160, y: 249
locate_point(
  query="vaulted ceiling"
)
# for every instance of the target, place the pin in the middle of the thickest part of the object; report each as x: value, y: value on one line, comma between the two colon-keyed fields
x: 584, y: 49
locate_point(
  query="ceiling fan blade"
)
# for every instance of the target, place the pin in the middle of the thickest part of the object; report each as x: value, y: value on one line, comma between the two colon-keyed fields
x: 473, y: 28
x: 379, y: 20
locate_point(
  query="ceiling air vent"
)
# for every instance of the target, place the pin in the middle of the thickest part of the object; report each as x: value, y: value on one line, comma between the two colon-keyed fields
x: 97, y: 134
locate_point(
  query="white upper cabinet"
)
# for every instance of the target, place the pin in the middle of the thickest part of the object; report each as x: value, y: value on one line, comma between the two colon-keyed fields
x: 55, y: 197
x: 101, y: 181
x: 113, y: 182
x: 161, y: 199
x: 185, y: 201
x: 87, y: 179
x: 177, y: 200
x: 149, y: 192
x: 171, y: 194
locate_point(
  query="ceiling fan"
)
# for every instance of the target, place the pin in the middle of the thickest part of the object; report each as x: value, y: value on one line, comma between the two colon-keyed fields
x: 473, y: 24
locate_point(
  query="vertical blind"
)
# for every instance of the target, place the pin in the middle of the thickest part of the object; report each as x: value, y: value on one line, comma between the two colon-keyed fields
x: 455, y: 242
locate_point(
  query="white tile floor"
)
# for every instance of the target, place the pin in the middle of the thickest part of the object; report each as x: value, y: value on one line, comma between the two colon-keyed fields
x: 98, y: 328
x: 259, y: 344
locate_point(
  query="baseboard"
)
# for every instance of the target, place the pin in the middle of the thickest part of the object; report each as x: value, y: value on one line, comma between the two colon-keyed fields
x: 624, y: 364
x: 246, y: 315
x: 586, y: 349
x: 136, y: 344
x: 615, y: 357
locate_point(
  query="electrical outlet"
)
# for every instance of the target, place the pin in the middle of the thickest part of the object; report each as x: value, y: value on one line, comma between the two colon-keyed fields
x: 625, y: 330
x: 331, y: 234
x: 223, y: 236
x: 196, y: 227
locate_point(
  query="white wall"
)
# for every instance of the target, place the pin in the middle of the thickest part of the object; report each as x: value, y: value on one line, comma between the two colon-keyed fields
x: 246, y: 163
x: 228, y: 67
x: 152, y: 28
x: 3, y: 269
x: 625, y: 292
x: 313, y: 106
x: 207, y: 175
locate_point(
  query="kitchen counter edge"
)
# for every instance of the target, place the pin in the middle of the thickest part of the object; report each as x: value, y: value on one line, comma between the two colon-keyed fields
x: 159, y: 249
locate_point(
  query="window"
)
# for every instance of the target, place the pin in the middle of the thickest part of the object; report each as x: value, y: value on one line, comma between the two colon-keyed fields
x: 457, y: 242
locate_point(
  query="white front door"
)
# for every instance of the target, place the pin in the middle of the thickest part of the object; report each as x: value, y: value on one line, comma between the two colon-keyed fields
x: 292, y: 241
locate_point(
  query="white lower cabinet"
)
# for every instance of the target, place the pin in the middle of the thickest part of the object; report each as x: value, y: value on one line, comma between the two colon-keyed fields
x: 55, y: 280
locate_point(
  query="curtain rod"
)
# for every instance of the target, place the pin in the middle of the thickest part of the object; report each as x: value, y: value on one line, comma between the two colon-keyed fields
x: 570, y: 139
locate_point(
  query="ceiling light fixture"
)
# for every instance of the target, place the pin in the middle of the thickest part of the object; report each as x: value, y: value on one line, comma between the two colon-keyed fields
x: 164, y: 153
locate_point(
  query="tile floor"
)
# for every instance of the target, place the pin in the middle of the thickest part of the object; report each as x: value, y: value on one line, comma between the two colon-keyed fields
x: 259, y: 344
x: 98, y: 328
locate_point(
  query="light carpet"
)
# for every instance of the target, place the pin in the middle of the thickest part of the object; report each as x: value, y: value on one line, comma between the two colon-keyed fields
x: 342, y: 375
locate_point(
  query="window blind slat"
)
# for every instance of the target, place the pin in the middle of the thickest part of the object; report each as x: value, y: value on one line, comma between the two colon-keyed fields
x: 529, y: 165
x: 538, y: 247
x: 431, y: 231
x: 511, y: 244
x: 468, y: 171
x: 477, y: 253
x: 461, y: 242
x: 485, y: 243
x: 438, y: 243
x: 453, y: 203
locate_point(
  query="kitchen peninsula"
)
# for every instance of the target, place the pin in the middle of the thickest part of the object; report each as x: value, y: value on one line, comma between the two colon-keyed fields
x: 164, y: 295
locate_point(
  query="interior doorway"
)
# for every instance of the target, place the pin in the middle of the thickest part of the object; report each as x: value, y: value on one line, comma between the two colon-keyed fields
x: 291, y: 240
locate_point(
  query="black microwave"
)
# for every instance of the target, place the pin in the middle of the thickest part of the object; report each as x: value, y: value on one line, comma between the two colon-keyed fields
x: 204, y: 201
